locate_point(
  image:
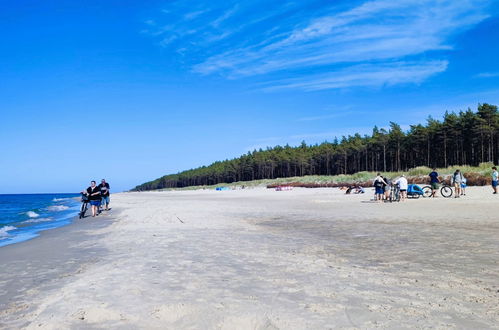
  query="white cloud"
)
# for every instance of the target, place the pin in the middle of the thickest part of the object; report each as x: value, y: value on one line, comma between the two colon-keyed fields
x: 364, y: 75
x: 194, y: 14
x: 379, y: 42
x: 377, y: 30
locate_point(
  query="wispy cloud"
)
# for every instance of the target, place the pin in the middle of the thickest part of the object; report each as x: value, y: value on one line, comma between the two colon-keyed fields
x: 297, y: 45
x: 487, y: 75
x: 193, y: 14
x: 364, y: 75
x: 340, y: 112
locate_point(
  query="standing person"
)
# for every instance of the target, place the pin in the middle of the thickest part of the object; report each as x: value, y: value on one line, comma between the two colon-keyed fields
x: 94, y: 196
x: 495, y: 178
x: 457, y: 179
x: 463, y: 186
x: 434, y: 181
x: 387, y: 188
x: 104, y: 189
x: 378, y: 186
x: 403, y: 185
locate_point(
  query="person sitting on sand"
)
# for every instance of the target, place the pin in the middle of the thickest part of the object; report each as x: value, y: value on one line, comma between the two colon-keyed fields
x: 495, y: 178
x: 434, y: 181
x: 94, y: 196
x: 457, y: 179
x: 403, y: 185
x: 378, y: 186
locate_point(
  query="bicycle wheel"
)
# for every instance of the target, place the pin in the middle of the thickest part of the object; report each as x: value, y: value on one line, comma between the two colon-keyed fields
x: 427, y: 191
x: 83, y: 210
x: 446, y: 191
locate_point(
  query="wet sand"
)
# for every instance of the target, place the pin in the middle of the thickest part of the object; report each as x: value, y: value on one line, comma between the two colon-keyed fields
x: 261, y: 259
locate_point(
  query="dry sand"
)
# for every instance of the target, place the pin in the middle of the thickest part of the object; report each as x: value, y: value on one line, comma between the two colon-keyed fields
x: 261, y: 259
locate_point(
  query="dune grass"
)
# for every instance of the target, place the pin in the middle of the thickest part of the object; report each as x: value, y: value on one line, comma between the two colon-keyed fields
x: 476, y: 175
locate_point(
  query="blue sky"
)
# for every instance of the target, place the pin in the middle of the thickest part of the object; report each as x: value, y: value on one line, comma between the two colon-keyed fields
x: 130, y: 90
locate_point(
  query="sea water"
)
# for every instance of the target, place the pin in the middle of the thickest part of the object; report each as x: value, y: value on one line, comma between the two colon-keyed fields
x: 24, y: 216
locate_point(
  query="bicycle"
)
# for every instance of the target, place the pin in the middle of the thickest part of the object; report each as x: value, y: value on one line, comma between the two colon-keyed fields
x: 445, y: 190
x: 84, y: 205
x: 394, y: 193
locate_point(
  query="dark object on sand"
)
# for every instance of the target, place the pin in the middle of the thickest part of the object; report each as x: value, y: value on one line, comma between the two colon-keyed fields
x: 84, y: 205
x: 355, y: 190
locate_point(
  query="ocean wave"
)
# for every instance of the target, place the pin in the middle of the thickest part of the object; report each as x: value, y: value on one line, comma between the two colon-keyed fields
x: 38, y: 220
x: 61, y: 199
x: 57, y: 208
x: 32, y: 214
x: 4, y: 230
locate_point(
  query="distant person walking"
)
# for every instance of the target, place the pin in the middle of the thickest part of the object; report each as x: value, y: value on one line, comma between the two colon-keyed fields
x: 495, y: 178
x: 379, y: 182
x: 457, y: 180
x: 104, y: 189
x: 94, y: 196
x: 403, y: 185
x: 434, y: 181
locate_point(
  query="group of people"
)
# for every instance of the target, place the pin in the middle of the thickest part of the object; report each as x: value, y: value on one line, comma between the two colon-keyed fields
x: 98, y: 196
x: 384, y: 185
x: 457, y: 180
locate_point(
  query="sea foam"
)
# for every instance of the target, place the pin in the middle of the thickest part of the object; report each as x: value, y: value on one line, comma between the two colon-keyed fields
x: 57, y: 208
x: 38, y: 220
x: 32, y: 214
x: 4, y: 230
x: 60, y: 199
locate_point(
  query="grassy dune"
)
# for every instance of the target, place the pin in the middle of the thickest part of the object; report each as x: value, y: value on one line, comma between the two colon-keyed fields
x: 476, y: 176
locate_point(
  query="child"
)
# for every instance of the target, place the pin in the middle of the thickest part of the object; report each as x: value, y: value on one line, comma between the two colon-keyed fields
x: 463, y: 186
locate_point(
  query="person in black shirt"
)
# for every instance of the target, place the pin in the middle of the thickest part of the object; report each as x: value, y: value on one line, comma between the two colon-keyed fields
x: 104, y: 189
x: 434, y: 181
x: 94, y: 196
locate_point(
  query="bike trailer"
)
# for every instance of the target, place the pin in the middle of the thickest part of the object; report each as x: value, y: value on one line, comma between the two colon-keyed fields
x: 414, y: 190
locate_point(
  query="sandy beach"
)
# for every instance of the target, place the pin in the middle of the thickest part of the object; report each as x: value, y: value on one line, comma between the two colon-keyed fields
x: 261, y: 259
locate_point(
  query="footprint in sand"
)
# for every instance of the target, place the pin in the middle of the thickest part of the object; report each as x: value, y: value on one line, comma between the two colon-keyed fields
x: 172, y: 313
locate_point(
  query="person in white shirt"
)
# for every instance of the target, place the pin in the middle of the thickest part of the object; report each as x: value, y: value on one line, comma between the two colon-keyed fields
x: 495, y: 179
x: 402, y: 182
x: 457, y: 179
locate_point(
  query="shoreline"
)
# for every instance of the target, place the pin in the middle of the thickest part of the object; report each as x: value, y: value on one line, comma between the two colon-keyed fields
x: 42, y: 213
x: 37, y: 265
x: 246, y: 259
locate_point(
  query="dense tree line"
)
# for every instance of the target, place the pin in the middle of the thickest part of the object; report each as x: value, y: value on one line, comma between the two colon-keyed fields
x: 463, y: 138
